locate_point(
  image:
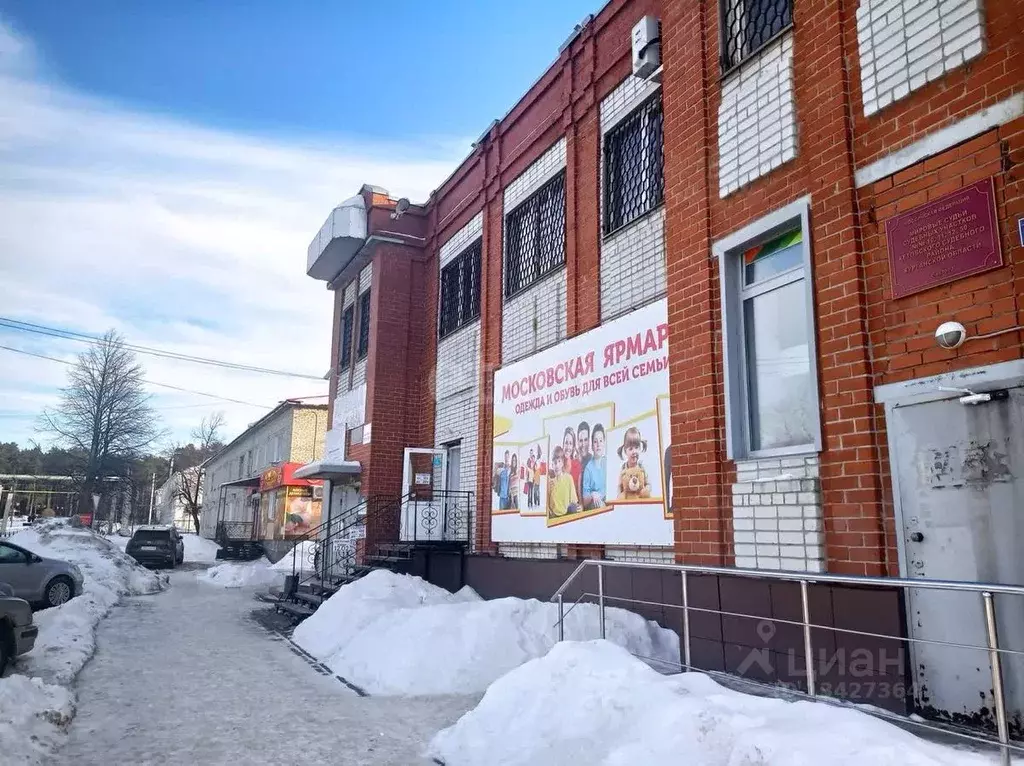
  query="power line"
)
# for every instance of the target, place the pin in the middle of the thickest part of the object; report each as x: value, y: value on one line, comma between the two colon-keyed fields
x: 56, y: 332
x: 150, y: 382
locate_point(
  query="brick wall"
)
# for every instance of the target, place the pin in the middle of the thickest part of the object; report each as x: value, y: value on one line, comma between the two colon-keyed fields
x: 393, y: 367
x: 632, y: 261
x: 788, y: 124
x: 907, y: 44
x: 457, y: 372
x: 535, y: 318
x: 962, y: 89
x: 862, y: 337
x: 902, y: 330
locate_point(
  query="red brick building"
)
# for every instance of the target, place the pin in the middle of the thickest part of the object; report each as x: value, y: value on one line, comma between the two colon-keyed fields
x: 813, y: 188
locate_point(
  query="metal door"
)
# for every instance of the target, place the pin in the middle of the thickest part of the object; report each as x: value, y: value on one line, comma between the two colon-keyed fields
x: 959, y: 486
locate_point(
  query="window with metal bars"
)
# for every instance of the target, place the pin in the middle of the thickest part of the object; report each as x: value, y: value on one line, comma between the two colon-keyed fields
x: 364, y: 326
x: 746, y: 26
x: 348, y: 319
x: 535, y: 237
x: 634, y: 178
x: 460, y: 290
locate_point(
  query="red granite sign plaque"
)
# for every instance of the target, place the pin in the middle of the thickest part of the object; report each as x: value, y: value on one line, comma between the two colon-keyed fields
x: 950, y: 238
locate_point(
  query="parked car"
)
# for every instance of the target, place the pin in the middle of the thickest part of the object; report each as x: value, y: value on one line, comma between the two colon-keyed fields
x: 157, y: 545
x: 17, y: 633
x: 38, y: 580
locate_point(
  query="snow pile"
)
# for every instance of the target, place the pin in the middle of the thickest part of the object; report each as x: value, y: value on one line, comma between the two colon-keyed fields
x: 199, y: 548
x: 248, y: 574
x: 33, y: 716
x: 66, y: 633
x: 593, y: 703
x: 399, y: 635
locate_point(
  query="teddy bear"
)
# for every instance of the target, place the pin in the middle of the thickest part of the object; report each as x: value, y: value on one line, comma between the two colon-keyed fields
x: 633, y: 483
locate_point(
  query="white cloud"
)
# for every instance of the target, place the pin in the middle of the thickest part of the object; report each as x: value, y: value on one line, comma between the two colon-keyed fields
x: 178, y: 235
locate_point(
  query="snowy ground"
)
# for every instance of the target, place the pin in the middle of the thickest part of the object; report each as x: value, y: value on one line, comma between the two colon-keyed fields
x: 35, y: 703
x: 66, y: 633
x: 187, y: 677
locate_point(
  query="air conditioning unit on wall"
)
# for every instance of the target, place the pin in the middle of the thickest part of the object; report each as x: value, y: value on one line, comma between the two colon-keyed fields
x: 646, y: 47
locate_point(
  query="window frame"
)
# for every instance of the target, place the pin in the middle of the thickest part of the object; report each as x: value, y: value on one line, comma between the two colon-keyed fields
x: 729, y: 251
x: 348, y: 326
x: 535, y: 197
x: 467, y: 265
x: 645, y: 152
x: 725, y: 64
x: 363, y: 332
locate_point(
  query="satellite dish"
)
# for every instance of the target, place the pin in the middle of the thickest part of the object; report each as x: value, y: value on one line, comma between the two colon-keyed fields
x: 400, y: 208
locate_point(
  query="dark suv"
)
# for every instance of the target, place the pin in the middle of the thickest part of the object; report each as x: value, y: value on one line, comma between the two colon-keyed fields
x: 157, y: 545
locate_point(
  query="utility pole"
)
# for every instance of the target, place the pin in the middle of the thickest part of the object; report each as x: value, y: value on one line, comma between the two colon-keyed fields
x: 3, y: 512
x: 152, y: 498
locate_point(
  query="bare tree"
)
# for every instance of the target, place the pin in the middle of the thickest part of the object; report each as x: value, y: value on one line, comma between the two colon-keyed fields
x: 103, y: 413
x: 207, y: 442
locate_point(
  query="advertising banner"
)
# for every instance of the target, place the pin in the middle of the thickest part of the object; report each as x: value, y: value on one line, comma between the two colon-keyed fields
x: 581, y: 437
x: 302, y: 511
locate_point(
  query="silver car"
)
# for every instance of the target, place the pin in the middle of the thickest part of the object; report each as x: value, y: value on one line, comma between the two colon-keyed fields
x: 40, y: 581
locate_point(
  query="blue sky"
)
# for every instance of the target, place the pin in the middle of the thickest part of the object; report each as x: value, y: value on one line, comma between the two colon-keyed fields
x: 360, y: 69
x: 164, y: 166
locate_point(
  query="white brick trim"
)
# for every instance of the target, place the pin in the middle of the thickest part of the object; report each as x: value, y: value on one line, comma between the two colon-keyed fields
x: 757, y: 117
x: 626, y: 96
x: 941, y: 140
x: 905, y: 44
x: 542, y: 170
x: 461, y: 239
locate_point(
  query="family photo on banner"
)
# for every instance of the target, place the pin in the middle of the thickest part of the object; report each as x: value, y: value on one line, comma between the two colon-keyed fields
x: 581, y: 438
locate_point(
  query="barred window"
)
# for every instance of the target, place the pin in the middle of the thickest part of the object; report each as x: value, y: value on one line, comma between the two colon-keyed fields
x: 460, y: 290
x: 634, y: 177
x: 748, y: 25
x: 348, y: 319
x: 535, y: 237
x: 364, y: 326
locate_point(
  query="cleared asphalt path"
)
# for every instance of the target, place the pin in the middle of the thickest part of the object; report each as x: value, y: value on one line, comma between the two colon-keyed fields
x: 188, y: 677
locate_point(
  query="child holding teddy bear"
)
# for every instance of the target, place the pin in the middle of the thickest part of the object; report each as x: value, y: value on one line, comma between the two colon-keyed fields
x: 633, y: 481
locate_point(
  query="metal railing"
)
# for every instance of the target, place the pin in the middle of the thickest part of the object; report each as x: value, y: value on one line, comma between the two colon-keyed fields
x: 444, y: 517
x: 986, y: 593
x: 235, y: 531
x: 331, y: 545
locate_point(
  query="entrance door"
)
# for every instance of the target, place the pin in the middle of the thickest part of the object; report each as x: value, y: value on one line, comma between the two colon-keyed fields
x: 959, y: 490
x: 423, y: 478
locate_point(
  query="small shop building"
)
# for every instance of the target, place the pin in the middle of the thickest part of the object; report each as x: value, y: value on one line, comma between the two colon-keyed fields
x: 250, y: 491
